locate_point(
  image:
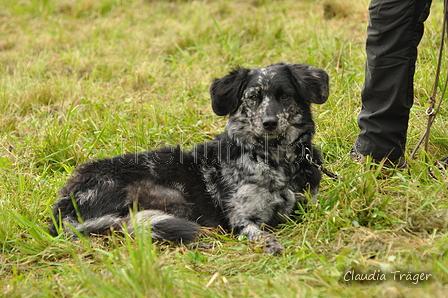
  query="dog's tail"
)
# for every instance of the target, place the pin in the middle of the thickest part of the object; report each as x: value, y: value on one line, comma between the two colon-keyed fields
x: 163, y: 226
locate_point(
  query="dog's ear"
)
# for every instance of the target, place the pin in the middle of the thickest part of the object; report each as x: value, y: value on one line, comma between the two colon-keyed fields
x: 313, y: 83
x: 226, y: 92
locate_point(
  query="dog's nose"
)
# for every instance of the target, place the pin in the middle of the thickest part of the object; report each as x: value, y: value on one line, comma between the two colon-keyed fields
x: 270, y: 123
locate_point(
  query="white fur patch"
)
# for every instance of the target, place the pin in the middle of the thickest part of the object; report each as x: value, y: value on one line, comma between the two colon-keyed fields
x: 87, y: 197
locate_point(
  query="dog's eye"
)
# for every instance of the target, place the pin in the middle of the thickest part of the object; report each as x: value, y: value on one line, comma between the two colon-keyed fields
x: 285, y: 96
x: 254, y: 97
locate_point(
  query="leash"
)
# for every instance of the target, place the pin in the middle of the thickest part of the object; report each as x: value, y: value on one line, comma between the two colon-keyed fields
x: 432, y: 111
x: 319, y: 166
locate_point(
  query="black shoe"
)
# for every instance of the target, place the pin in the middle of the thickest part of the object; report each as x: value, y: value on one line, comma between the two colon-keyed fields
x: 400, y: 163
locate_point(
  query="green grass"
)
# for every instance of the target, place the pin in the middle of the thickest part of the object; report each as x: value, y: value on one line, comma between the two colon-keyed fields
x: 94, y: 78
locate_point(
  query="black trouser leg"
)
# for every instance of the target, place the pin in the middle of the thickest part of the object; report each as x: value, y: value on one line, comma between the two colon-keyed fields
x: 393, y: 34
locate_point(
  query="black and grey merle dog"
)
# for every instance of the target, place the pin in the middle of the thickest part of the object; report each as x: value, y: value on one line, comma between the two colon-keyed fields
x: 252, y: 175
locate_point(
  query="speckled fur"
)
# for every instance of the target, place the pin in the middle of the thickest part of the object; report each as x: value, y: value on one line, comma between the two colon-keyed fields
x: 252, y: 175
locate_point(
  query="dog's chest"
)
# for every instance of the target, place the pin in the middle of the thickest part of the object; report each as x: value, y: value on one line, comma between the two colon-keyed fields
x: 257, y: 172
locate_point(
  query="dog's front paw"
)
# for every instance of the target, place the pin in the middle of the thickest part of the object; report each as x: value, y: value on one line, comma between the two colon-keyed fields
x: 271, y: 245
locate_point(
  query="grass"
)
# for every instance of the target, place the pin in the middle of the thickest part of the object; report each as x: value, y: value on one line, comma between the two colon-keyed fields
x: 89, y: 79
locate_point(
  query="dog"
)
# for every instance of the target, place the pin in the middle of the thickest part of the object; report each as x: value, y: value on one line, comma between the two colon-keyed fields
x: 251, y: 176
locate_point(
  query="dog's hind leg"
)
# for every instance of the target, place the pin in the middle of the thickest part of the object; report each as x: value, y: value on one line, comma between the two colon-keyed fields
x: 164, y: 208
x: 149, y: 195
x: 99, y: 226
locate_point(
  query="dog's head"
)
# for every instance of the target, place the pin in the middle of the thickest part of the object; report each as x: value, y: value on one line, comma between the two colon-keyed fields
x: 270, y: 102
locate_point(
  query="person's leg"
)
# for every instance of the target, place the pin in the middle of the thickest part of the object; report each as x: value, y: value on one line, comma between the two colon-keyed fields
x: 393, y: 34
